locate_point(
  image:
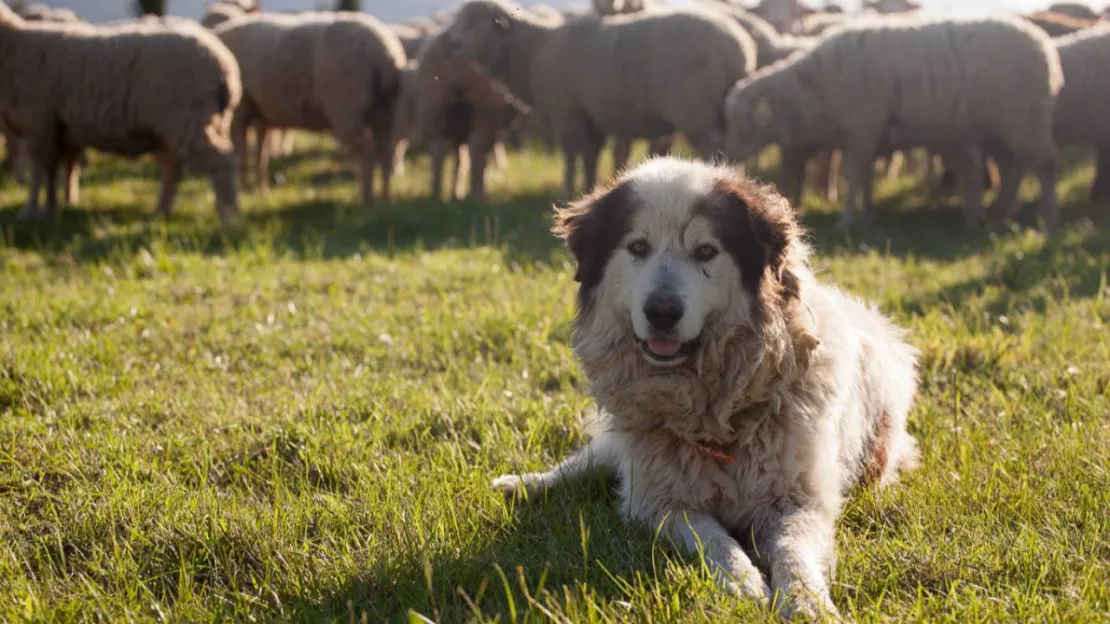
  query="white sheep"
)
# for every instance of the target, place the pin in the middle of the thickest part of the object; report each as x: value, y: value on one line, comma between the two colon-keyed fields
x: 130, y: 89
x: 642, y: 75
x: 885, y: 83
x: 451, y: 106
x: 1083, y: 103
x: 338, y: 72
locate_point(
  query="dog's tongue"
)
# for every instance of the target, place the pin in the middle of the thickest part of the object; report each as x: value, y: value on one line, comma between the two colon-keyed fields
x: 665, y: 347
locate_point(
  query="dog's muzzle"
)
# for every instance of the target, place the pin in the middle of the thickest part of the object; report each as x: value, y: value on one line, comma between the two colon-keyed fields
x: 663, y: 311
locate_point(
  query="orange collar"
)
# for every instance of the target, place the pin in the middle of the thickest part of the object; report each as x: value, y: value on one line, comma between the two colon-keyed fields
x: 715, y: 452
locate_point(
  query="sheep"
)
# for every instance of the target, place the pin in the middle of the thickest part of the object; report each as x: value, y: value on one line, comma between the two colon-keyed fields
x: 1058, y: 24
x: 218, y: 13
x: 817, y: 24
x: 44, y: 13
x: 548, y: 13
x: 319, y: 71
x: 1074, y: 10
x: 628, y: 76
x: 784, y: 15
x: 449, y: 104
x: 618, y: 7
x: 128, y: 89
x: 890, y: 83
x: 1081, y: 106
x: 891, y: 6
x: 411, y: 38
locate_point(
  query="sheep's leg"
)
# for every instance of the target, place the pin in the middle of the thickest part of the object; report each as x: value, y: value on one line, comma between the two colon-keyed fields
x: 1100, y: 190
x: 72, y: 160
x: 172, y: 169
x: 462, y: 170
x: 239, y: 126
x: 966, y: 164
x: 437, y: 153
x: 500, y: 157
x: 590, y: 160
x: 857, y: 165
x: 480, y: 148
x: 50, y: 174
x: 570, y: 166
x: 792, y: 173
x: 1046, y: 205
x: 366, y: 166
x: 264, y: 147
x: 1011, y: 171
x: 221, y: 174
x: 622, y: 149
x: 31, y: 209
x: 799, y: 546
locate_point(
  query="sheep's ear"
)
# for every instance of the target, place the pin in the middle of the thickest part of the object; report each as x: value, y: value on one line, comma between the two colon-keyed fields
x: 763, y: 113
x: 593, y: 228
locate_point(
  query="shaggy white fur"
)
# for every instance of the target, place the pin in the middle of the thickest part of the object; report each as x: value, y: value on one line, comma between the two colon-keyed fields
x: 739, y: 399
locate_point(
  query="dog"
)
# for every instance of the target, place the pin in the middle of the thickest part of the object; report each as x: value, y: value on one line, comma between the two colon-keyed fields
x: 739, y: 399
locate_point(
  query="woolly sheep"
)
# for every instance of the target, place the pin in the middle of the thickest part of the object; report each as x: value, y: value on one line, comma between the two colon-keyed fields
x: 549, y: 13
x: 784, y: 15
x: 319, y: 71
x: 618, y: 7
x: 1058, y: 24
x: 130, y: 89
x: 891, y: 6
x: 1074, y: 9
x: 817, y: 24
x: 898, y: 82
x: 450, y: 105
x: 626, y: 76
x: 44, y: 13
x: 1082, y: 105
x: 411, y: 38
x: 219, y: 13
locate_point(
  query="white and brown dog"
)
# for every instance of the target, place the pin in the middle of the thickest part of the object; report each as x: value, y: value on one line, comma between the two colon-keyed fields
x: 739, y: 398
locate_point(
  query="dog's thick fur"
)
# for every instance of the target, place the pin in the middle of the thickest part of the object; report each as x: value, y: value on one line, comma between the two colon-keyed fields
x: 786, y: 392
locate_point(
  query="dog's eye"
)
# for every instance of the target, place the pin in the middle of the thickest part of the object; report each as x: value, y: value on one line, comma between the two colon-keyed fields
x: 639, y: 248
x: 705, y: 253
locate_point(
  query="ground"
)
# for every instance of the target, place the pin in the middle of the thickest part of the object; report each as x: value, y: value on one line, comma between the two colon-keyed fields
x: 298, y: 420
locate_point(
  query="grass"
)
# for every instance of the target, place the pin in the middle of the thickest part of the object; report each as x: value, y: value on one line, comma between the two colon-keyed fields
x: 297, y: 420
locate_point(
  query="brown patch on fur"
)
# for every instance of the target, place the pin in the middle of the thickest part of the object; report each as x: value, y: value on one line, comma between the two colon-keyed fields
x: 876, y: 463
x: 760, y: 231
x: 592, y: 228
x: 757, y: 227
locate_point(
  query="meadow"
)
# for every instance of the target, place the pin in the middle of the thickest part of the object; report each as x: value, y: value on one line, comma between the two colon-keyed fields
x: 297, y: 419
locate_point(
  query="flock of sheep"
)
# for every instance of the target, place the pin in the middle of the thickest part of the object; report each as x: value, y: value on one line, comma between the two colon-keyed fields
x: 834, y: 91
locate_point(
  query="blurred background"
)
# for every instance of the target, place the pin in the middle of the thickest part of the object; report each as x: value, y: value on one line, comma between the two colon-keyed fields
x: 391, y: 10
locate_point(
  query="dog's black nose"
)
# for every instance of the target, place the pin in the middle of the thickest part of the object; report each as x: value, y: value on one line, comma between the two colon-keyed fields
x: 663, y: 310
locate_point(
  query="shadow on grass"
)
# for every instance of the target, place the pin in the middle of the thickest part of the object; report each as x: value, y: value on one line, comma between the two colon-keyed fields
x: 319, y: 228
x: 504, y: 573
x: 1059, y: 270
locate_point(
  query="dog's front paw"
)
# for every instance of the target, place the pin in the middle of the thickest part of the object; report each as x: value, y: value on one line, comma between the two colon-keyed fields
x: 804, y: 606
x: 518, y: 484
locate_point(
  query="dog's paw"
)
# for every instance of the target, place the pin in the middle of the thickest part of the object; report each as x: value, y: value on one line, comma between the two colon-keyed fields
x: 517, y: 484
x: 803, y: 606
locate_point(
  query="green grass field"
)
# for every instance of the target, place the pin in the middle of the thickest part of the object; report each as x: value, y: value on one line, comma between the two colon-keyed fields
x: 297, y: 420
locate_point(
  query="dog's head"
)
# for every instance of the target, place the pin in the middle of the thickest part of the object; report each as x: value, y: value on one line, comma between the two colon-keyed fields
x: 677, y: 256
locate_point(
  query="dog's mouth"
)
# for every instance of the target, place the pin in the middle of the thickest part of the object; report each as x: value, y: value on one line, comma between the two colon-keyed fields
x: 667, y: 351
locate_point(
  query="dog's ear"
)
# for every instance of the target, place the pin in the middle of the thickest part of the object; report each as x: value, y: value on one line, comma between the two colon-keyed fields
x: 592, y: 228
x: 757, y: 228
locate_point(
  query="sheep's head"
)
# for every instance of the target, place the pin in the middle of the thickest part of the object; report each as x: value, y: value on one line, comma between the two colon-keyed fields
x: 9, y: 17
x: 481, y: 30
x: 751, y: 121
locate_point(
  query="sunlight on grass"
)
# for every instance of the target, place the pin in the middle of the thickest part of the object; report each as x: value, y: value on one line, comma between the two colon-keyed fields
x: 297, y: 419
